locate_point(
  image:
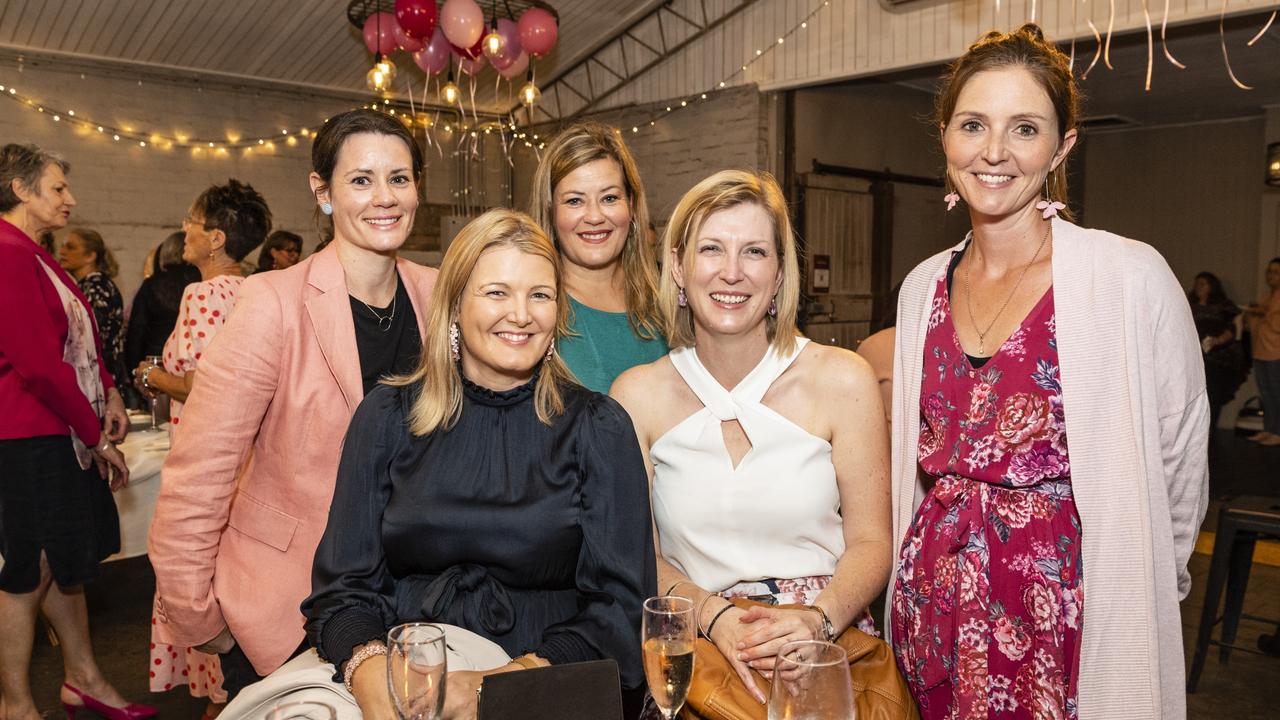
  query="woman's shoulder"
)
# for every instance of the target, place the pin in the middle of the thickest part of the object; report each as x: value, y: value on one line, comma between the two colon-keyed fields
x: 384, y: 405
x: 592, y: 411
x: 830, y: 370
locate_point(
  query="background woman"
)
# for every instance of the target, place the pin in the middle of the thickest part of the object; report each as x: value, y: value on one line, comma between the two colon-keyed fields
x: 588, y: 197
x: 86, y: 257
x: 1225, y: 365
x: 154, y: 310
x: 1030, y: 335
x: 768, y: 452
x: 224, y: 224
x: 61, y: 415
x: 231, y: 544
x: 1264, y: 327
x: 487, y: 490
x: 280, y: 251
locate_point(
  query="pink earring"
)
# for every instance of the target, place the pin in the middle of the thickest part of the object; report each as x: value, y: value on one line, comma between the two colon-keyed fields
x: 1048, y: 204
x: 454, y: 347
x: 773, y: 307
x: 681, y: 300
x: 551, y: 350
x: 951, y: 199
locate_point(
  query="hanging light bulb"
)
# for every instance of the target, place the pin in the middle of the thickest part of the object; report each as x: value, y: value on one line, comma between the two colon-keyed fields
x: 450, y: 92
x: 381, y: 74
x: 494, y: 44
x: 529, y: 93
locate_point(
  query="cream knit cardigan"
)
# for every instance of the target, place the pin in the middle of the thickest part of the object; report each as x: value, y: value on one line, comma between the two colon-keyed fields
x: 1137, y: 429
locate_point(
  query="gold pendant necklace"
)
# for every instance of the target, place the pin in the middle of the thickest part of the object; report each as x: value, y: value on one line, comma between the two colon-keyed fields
x: 982, y: 334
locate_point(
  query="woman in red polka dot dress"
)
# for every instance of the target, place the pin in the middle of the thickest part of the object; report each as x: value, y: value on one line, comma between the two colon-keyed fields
x: 223, y: 226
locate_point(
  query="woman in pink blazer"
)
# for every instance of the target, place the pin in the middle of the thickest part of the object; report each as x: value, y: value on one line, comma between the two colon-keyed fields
x: 247, y: 485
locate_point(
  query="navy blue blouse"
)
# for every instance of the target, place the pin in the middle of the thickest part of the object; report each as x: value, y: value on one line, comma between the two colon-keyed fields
x: 537, y: 537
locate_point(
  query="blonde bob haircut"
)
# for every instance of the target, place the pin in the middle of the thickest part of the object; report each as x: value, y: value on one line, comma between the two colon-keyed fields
x: 724, y: 190
x: 575, y: 146
x: 439, y: 403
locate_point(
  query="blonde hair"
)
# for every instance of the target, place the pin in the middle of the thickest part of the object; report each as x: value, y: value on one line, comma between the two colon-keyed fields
x: 576, y: 146
x: 439, y: 404
x: 721, y: 191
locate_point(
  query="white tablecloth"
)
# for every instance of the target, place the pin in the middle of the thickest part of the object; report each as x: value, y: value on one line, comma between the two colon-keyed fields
x: 144, y: 451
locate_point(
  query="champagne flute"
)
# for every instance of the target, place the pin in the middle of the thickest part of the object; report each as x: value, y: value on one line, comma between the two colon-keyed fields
x: 416, y: 670
x: 811, y: 682
x: 303, y: 710
x: 668, y: 632
x: 154, y: 395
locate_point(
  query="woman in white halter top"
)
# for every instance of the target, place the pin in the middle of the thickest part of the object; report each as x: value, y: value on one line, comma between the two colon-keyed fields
x: 768, y: 453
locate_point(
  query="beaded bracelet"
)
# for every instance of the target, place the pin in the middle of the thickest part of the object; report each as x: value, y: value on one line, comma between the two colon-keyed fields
x: 368, y: 651
x: 712, y: 625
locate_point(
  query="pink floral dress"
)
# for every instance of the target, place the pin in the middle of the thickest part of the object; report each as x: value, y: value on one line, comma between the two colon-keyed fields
x: 204, y: 310
x: 988, y: 603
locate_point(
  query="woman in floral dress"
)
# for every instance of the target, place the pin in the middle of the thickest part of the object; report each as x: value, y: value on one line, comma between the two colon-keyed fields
x: 1030, y: 333
x: 223, y: 226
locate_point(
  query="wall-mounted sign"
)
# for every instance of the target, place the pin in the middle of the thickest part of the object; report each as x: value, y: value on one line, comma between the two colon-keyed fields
x: 820, y: 274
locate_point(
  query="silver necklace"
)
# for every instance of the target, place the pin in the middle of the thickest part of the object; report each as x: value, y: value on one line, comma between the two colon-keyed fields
x: 384, y: 323
x: 982, y: 334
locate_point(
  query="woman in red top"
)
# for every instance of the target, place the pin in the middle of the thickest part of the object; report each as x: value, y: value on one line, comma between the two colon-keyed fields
x: 61, y: 414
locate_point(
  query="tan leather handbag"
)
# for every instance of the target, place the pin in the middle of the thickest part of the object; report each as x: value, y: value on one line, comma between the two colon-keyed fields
x: 879, y: 692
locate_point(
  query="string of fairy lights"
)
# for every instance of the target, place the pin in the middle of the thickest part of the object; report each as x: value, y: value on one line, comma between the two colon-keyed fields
x: 417, y: 116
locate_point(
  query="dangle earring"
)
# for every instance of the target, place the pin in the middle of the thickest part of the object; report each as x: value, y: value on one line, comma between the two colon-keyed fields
x: 773, y: 307
x: 1048, y: 204
x: 681, y: 300
x: 952, y: 197
x: 551, y: 350
x: 454, y: 346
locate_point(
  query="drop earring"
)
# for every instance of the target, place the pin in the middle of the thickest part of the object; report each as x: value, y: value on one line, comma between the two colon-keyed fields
x: 773, y: 307
x: 455, y: 348
x: 1048, y: 205
x: 681, y: 300
x: 551, y: 350
x: 951, y: 199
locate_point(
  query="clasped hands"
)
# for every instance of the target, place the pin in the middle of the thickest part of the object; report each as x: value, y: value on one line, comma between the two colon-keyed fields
x: 751, y: 639
x: 106, y: 456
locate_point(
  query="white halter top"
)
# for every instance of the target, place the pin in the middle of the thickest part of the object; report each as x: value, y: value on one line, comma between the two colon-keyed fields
x: 777, y: 515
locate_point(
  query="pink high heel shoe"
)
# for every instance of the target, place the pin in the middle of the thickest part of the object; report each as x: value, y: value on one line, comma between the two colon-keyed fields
x: 132, y: 711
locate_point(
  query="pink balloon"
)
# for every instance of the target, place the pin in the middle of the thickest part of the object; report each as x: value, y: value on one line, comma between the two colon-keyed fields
x: 510, y: 33
x: 471, y: 66
x: 516, y: 67
x: 463, y: 22
x: 470, y: 53
x: 417, y: 18
x: 406, y: 42
x: 434, y: 58
x: 379, y: 33
x: 537, y: 31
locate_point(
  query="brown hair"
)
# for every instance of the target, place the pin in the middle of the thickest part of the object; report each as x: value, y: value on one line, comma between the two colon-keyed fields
x: 333, y: 135
x: 277, y: 239
x: 724, y: 190
x: 26, y: 164
x: 576, y: 146
x: 239, y: 211
x: 1025, y: 48
x: 439, y: 404
x: 103, y: 260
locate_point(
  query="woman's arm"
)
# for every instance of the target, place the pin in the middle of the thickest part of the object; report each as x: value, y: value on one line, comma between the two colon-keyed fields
x: 177, y: 387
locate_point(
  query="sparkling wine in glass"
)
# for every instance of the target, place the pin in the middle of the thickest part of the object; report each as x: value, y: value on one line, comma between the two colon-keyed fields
x: 811, y: 682
x: 154, y: 394
x: 668, y: 631
x: 416, y: 670
x: 302, y: 711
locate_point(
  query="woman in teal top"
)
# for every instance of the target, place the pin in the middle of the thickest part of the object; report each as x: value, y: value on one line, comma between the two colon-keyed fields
x: 588, y: 196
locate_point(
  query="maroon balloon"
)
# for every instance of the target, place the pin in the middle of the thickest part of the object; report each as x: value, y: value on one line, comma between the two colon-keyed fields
x: 408, y: 43
x: 537, y: 31
x: 416, y: 17
x: 471, y: 53
x: 379, y: 35
x: 434, y: 58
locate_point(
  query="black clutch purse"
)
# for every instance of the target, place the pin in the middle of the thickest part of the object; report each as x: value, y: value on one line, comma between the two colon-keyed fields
x: 576, y: 691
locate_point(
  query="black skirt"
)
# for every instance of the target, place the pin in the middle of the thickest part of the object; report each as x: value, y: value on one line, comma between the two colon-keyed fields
x: 48, y: 504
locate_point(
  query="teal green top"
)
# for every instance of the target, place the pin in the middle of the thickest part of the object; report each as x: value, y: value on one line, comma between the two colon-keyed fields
x: 604, y: 346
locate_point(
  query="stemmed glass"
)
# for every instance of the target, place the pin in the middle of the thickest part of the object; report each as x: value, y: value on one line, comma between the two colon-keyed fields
x: 154, y: 395
x: 668, y: 632
x: 811, y: 682
x: 303, y: 711
x: 416, y: 670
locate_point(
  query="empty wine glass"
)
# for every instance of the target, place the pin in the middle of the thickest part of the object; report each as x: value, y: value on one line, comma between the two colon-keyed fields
x: 303, y: 711
x: 154, y: 395
x: 668, y: 632
x: 416, y: 670
x: 811, y: 682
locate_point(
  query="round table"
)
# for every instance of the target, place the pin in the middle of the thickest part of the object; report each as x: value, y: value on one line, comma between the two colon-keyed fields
x: 144, y: 450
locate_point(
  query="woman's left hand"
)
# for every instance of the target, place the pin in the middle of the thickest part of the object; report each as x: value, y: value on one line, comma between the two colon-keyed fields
x: 115, y: 417
x: 772, y: 628
x: 460, y: 700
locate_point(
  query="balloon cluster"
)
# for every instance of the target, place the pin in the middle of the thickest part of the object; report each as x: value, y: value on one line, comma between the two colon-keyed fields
x: 458, y: 30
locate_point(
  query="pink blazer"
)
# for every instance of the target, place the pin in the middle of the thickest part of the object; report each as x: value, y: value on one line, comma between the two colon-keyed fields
x: 245, y: 490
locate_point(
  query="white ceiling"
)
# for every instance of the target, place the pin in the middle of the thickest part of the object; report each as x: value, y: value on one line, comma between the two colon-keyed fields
x: 302, y: 42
